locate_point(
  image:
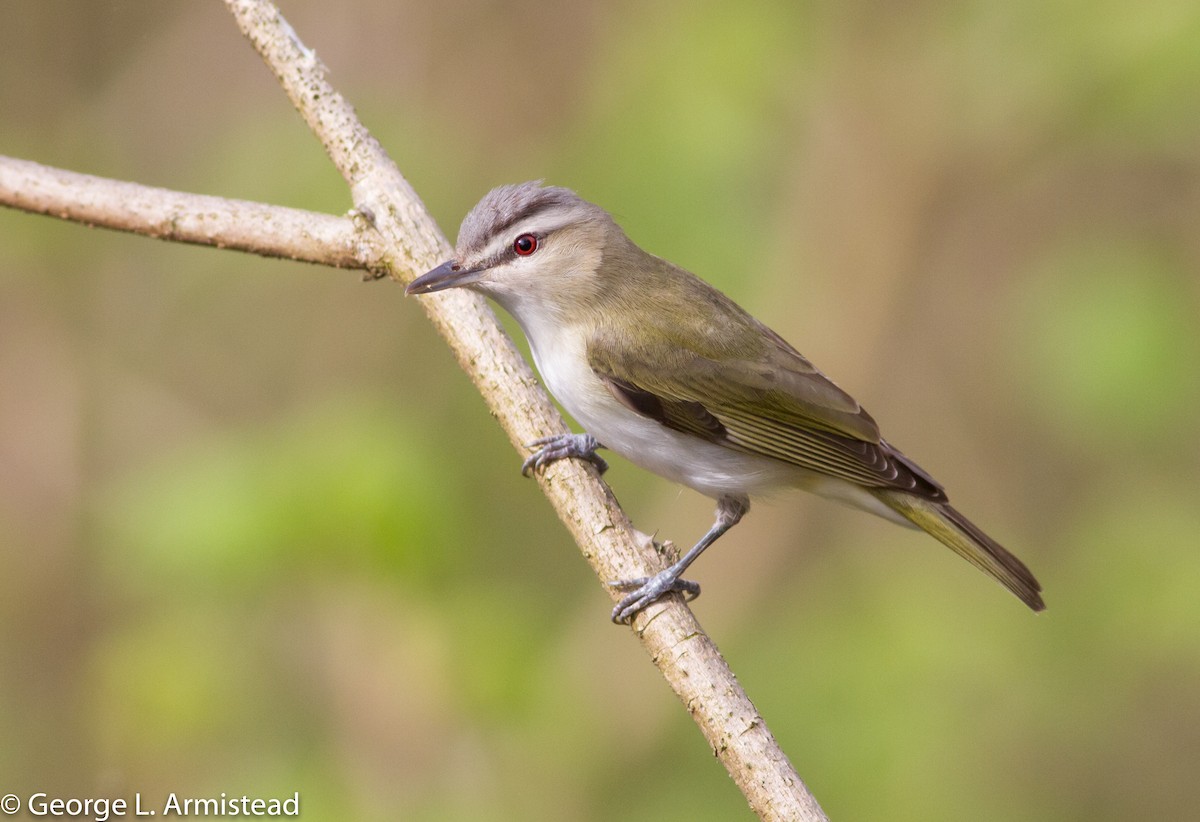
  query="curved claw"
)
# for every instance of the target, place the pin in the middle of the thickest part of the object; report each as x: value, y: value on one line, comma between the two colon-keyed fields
x: 562, y: 446
x: 646, y: 590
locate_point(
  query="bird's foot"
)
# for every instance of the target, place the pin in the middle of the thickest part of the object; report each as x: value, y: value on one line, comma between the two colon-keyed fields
x: 561, y: 446
x: 645, y: 590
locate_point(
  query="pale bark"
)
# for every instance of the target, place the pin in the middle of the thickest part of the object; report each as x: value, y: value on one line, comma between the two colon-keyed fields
x: 269, y: 230
x: 391, y: 233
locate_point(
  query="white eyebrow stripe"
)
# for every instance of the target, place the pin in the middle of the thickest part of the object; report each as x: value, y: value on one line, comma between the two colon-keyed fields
x: 536, y: 224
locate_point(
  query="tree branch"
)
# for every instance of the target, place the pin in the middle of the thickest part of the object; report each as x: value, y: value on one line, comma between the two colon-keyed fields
x: 272, y: 231
x: 394, y: 234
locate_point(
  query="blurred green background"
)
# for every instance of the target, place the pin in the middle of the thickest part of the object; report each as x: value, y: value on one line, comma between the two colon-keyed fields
x: 259, y: 535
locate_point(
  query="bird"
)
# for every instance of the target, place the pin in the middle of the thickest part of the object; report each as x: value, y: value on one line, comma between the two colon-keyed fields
x: 667, y: 371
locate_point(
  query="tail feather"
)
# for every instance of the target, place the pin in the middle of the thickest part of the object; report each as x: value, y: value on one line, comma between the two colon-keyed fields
x: 964, y: 538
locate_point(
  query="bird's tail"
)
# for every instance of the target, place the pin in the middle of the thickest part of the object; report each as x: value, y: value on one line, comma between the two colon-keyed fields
x: 964, y: 538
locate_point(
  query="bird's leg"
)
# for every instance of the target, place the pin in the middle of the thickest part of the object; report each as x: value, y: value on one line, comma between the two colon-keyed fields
x: 561, y: 446
x: 645, y: 590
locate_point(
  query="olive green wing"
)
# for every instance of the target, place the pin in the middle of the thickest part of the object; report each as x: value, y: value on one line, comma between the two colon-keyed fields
x: 774, y: 403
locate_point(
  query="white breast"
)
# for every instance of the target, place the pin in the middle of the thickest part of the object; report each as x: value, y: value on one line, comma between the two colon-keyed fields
x: 711, y: 469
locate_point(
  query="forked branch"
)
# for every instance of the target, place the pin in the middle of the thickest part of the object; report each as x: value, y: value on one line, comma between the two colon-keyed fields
x: 392, y: 234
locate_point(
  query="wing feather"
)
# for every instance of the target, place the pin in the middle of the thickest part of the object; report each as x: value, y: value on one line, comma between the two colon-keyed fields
x: 777, y: 405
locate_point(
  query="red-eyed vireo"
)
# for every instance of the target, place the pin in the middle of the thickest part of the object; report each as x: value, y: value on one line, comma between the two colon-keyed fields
x: 665, y: 370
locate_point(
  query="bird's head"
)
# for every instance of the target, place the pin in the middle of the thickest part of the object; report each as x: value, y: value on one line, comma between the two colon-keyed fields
x: 531, y: 248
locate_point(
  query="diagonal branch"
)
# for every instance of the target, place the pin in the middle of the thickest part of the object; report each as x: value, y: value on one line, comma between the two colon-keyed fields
x: 392, y: 233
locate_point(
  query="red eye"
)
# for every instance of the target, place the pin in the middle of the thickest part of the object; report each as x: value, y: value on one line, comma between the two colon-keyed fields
x: 525, y: 245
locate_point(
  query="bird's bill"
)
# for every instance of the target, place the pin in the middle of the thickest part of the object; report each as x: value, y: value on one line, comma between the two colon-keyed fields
x: 447, y: 275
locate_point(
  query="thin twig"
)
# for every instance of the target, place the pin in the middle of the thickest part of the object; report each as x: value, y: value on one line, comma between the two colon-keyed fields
x: 269, y: 230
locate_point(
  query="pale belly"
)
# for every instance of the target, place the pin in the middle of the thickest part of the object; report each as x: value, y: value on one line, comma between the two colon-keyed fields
x: 707, y: 467
x: 711, y: 469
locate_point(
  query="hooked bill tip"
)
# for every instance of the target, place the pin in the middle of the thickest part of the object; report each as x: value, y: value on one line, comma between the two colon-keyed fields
x: 444, y: 276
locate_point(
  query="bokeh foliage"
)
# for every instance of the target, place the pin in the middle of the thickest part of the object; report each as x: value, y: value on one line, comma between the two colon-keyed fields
x: 258, y: 535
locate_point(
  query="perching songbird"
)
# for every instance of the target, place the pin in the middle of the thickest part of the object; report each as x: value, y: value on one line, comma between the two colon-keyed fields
x: 668, y: 372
